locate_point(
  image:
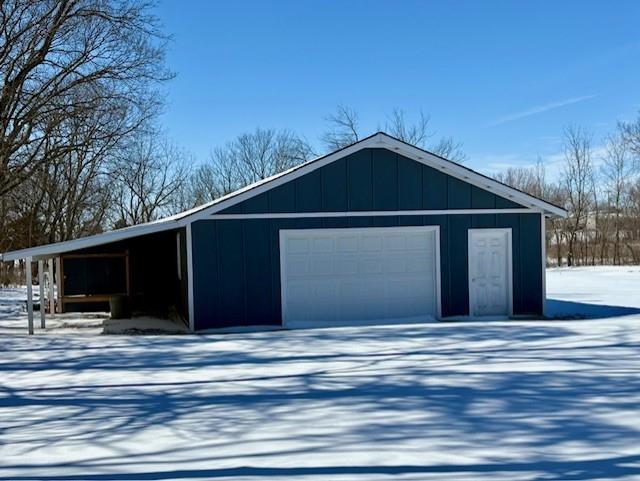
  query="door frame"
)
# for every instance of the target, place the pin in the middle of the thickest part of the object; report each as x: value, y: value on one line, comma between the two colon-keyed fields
x: 283, y: 233
x: 508, y: 231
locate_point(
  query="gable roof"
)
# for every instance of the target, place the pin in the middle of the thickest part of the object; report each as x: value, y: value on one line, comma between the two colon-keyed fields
x: 377, y: 140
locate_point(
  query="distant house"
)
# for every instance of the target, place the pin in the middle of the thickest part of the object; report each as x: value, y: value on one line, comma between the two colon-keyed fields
x: 377, y: 231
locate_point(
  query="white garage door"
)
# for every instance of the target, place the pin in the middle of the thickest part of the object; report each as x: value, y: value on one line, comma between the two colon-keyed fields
x: 345, y: 276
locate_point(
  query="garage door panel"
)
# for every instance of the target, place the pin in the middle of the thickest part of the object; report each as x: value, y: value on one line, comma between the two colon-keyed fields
x: 323, y: 244
x: 395, y: 242
x: 359, y: 274
x: 296, y: 245
x: 371, y: 243
x: 321, y: 265
x: 347, y: 244
x: 345, y: 266
x: 419, y: 265
x: 297, y: 266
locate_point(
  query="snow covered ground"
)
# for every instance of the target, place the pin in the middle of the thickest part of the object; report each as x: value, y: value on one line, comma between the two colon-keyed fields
x: 510, y: 400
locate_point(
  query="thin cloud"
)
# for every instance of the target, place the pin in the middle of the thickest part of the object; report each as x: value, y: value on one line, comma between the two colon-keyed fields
x: 539, y: 109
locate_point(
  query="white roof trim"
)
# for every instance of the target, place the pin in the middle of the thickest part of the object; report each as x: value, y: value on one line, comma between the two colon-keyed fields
x: 52, y: 250
x: 379, y: 140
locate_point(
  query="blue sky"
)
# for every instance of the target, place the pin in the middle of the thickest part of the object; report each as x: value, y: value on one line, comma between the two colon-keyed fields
x: 503, y: 77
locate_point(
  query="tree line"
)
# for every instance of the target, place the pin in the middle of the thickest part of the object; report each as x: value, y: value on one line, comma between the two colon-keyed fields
x: 599, y: 185
x: 81, y: 88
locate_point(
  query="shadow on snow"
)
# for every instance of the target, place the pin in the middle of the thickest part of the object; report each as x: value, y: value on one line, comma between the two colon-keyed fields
x: 440, y: 374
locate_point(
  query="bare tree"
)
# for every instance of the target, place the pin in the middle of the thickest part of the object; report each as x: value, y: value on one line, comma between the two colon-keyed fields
x: 449, y: 148
x: 69, y: 197
x: 61, y: 59
x: 576, y: 178
x: 632, y: 240
x: 249, y: 158
x: 617, y: 170
x: 265, y: 152
x: 630, y: 132
x: 343, y: 129
x: 557, y: 234
x: 531, y: 180
x: 149, y: 178
x: 414, y: 133
x: 220, y: 176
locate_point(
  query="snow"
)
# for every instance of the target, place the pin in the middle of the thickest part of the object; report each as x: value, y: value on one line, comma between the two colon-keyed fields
x: 502, y: 400
x: 13, y: 319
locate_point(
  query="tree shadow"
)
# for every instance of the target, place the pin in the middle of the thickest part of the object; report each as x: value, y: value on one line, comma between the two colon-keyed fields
x: 289, y: 400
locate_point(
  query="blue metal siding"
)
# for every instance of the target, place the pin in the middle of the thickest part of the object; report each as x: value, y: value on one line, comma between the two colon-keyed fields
x: 409, y: 184
x: 334, y: 187
x: 372, y: 179
x: 360, y: 181
x: 237, y: 262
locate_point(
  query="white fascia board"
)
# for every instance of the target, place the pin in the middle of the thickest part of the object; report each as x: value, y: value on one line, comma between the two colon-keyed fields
x: 282, y: 178
x: 379, y: 140
x: 51, y: 250
x: 470, y: 176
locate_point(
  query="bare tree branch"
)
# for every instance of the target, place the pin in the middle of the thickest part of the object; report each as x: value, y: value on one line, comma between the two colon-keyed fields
x: 343, y: 128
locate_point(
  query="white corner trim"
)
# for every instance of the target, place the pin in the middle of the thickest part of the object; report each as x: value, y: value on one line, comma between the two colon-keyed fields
x: 543, y: 240
x: 190, y: 302
x: 178, y: 256
x: 283, y: 278
x: 28, y: 266
x: 438, y: 274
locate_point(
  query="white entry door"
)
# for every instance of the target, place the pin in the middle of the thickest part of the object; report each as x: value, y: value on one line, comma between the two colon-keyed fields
x: 490, y: 292
x: 346, y: 276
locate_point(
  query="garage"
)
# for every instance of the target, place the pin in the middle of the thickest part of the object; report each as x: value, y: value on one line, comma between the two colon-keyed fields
x: 347, y: 276
x: 379, y: 231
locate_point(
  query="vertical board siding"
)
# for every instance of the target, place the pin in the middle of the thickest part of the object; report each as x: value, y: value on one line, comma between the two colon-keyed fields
x: 282, y: 198
x: 372, y: 179
x: 334, y: 187
x: 237, y: 262
x: 206, y: 281
x: 255, y: 205
x: 530, y: 266
x: 309, y: 192
x: 258, y: 272
x: 231, y: 263
x: 457, y: 242
x: 434, y: 188
x: 359, y: 178
x: 385, y: 179
x: 409, y: 184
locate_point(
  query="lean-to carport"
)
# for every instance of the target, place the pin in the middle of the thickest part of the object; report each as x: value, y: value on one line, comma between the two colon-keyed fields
x: 147, y: 264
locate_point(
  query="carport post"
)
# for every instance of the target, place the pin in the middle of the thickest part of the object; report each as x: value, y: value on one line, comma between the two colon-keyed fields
x: 59, y: 281
x: 29, y: 294
x: 52, y: 299
x: 41, y: 292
